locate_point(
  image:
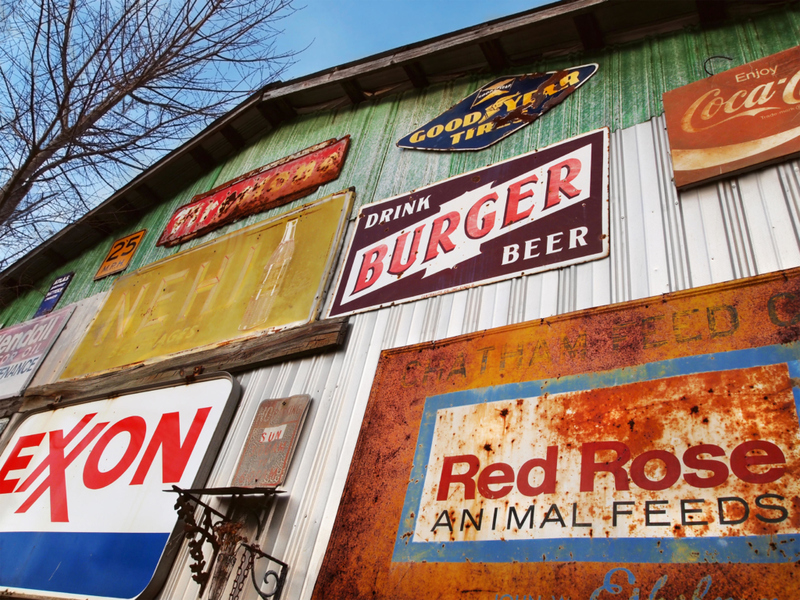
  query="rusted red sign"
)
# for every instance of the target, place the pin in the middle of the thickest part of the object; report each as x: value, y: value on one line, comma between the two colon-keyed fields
x: 735, y: 120
x: 272, y: 185
x: 643, y: 450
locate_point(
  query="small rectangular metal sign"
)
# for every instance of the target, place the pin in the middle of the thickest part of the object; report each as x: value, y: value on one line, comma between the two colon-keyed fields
x: 120, y: 255
x: 53, y: 295
x: 645, y: 450
x: 272, y: 185
x: 497, y: 109
x: 735, y: 120
x: 260, y: 278
x: 83, y: 512
x: 271, y: 442
x: 23, y: 348
x: 539, y: 211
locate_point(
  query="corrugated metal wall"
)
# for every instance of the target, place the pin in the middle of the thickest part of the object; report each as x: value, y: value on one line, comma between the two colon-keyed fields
x: 660, y: 242
x: 626, y: 91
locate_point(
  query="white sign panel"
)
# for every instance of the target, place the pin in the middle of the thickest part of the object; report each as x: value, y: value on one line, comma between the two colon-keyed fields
x: 23, y: 348
x: 83, y: 508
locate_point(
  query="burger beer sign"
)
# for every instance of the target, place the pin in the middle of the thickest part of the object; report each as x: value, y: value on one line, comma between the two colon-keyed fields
x: 539, y: 211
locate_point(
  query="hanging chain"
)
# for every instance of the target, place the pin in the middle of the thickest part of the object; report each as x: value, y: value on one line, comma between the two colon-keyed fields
x: 242, y: 572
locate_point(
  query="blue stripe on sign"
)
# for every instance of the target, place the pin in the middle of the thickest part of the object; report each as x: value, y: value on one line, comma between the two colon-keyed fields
x: 117, y: 565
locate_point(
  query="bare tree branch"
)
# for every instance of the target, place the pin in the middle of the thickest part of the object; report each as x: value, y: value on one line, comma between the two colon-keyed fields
x: 91, y: 89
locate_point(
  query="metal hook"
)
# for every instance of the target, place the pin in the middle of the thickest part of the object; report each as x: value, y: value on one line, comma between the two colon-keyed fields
x: 705, y: 64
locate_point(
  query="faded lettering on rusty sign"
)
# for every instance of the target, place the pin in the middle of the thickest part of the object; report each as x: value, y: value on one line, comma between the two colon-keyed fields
x: 272, y: 185
x: 735, y: 120
x: 539, y: 211
x: 643, y: 450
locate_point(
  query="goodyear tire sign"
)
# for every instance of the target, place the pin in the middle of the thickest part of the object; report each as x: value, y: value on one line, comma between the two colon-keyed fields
x: 497, y: 110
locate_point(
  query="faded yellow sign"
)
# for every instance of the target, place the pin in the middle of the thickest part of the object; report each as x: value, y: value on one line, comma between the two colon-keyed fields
x: 263, y: 277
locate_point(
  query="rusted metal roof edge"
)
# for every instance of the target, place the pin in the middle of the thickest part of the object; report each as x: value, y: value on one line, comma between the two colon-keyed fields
x: 407, y: 54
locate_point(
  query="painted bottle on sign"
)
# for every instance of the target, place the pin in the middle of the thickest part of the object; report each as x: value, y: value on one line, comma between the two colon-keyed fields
x: 260, y: 305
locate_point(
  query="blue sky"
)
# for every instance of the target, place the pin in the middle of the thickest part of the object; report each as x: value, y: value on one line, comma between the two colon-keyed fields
x: 341, y: 31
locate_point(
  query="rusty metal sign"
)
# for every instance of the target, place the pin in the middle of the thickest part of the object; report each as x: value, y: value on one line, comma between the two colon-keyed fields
x: 261, y: 278
x: 643, y: 450
x: 497, y: 110
x: 272, y: 185
x: 735, y: 120
x: 271, y: 442
x: 539, y: 211
x: 120, y: 255
x: 23, y: 348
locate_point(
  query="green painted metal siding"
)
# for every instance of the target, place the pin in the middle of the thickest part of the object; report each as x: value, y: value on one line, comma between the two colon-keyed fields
x: 625, y: 91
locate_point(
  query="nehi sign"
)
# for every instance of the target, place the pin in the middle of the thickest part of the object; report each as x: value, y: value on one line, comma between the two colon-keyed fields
x: 260, y: 278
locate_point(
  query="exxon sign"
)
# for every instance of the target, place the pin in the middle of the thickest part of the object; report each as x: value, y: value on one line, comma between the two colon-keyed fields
x: 83, y: 508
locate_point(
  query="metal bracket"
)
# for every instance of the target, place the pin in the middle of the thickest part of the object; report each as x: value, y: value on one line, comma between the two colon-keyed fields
x: 710, y: 58
x: 279, y: 577
x: 222, y: 533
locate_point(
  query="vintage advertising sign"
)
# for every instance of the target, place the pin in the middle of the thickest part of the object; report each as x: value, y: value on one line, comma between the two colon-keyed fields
x: 23, y: 348
x: 736, y: 120
x: 53, y: 295
x: 272, y: 185
x: 83, y: 512
x: 539, y: 211
x: 271, y: 442
x: 261, y: 278
x: 497, y: 110
x: 645, y: 450
x: 120, y: 255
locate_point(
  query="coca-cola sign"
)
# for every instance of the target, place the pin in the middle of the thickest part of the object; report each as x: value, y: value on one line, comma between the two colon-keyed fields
x: 735, y: 120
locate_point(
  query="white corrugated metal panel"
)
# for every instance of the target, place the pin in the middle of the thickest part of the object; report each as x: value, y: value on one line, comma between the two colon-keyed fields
x: 660, y: 242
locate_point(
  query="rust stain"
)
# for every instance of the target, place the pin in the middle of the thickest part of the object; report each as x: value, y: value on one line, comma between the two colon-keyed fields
x: 673, y: 415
